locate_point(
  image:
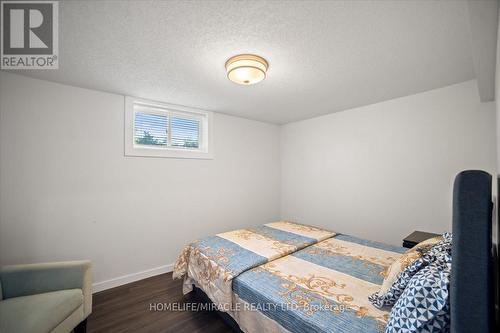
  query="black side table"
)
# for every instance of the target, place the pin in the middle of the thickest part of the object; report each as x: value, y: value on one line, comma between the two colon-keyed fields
x: 416, y: 237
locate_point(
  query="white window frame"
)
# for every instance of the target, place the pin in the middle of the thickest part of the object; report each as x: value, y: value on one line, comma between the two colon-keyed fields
x: 206, y: 149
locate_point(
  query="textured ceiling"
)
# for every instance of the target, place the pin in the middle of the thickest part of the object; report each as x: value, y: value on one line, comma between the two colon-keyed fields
x: 324, y: 56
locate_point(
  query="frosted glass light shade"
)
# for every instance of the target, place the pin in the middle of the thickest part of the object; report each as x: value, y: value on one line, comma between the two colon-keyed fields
x: 246, y: 69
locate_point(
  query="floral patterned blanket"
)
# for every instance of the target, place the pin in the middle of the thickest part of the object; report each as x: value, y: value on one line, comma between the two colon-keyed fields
x: 321, y: 288
x: 213, y: 262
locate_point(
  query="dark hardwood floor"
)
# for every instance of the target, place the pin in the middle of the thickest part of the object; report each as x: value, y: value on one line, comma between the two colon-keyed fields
x: 127, y: 309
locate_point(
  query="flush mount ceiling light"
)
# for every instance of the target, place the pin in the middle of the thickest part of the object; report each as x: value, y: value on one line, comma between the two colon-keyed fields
x: 246, y: 69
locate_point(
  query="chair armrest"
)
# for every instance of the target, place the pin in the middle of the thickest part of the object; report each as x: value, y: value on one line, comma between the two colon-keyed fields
x: 23, y: 280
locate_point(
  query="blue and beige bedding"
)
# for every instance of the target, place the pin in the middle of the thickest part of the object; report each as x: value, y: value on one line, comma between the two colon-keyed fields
x: 420, y: 296
x: 321, y: 288
x: 213, y: 262
x: 288, y: 277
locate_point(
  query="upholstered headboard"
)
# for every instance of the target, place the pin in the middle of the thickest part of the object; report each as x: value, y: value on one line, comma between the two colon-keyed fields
x: 471, y: 292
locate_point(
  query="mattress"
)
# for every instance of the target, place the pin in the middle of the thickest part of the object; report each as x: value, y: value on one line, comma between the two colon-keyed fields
x: 321, y: 288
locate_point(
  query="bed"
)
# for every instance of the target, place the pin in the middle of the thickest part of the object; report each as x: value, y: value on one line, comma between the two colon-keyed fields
x: 287, y: 277
x: 321, y: 288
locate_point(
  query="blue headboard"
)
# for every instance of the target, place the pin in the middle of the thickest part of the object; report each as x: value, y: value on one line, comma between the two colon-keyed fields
x: 471, y: 292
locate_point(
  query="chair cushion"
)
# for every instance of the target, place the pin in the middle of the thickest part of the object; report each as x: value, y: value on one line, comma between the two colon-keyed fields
x: 40, y: 312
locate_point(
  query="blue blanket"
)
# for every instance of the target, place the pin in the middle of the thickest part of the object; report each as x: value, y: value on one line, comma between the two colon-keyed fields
x: 321, y: 288
x: 213, y: 262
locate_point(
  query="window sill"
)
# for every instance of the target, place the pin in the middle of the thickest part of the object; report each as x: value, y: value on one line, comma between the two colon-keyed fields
x: 168, y: 153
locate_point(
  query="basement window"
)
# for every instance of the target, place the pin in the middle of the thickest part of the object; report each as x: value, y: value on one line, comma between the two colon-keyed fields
x: 155, y: 129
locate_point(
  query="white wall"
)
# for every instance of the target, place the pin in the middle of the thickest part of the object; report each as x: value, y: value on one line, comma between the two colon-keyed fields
x: 384, y: 170
x: 496, y: 227
x: 497, y: 95
x: 67, y: 190
x: 379, y: 172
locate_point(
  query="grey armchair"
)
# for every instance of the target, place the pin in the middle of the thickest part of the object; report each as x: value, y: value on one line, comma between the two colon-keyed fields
x: 51, y: 297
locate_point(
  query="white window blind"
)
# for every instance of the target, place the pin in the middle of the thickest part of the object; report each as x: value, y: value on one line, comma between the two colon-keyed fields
x: 150, y: 129
x: 185, y: 132
x: 162, y: 130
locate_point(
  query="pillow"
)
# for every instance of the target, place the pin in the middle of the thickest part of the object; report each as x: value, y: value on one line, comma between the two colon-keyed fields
x: 408, y: 258
x: 424, y: 305
x: 380, y: 300
x: 437, y: 252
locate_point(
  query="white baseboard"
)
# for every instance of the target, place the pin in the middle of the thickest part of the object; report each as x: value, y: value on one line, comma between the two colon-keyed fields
x: 121, y: 280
